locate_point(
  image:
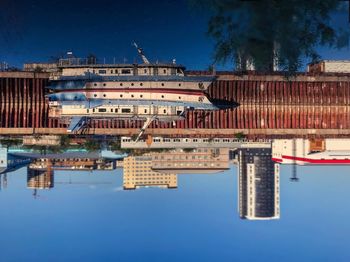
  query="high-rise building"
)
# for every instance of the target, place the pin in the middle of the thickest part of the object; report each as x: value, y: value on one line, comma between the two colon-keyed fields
x: 138, y: 173
x: 259, y: 193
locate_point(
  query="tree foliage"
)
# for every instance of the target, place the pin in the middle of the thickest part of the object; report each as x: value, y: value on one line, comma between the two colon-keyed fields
x: 265, y: 32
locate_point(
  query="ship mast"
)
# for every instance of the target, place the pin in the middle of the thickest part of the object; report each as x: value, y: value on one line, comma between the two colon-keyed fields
x: 140, y: 51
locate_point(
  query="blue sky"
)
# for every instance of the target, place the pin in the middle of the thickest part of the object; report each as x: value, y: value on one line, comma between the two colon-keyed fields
x: 38, y: 29
x: 197, y: 222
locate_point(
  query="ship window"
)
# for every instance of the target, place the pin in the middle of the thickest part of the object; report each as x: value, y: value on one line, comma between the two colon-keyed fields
x: 102, y: 71
x: 162, y: 96
x: 179, y: 97
x: 179, y: 84
x: 132, y: 84
x: 164, y: 111
x: 145, y: 110
x: 111, y: 109
x: 104, y: 95
x: 126, y: 110
x: 121, y: 95
x: 116, y: 110
x: 101, y: 110
x: 141, y: 96
x: 95, y: 95
x: 87, y: 110
x: 95, y: 83
x: 162, y: 84
x: 132, y: 95
x: 93, y: 110
x: 141, y: 84
x: 164, y: 71
x: 121, y: 84
x: 111, y: 71
x: 126, y: 71
x: 104, y: 84
x: 178, y: 112
x: 93, y: 71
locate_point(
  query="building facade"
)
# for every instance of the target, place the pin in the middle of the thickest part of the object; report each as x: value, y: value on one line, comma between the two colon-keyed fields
x: 259, y: 193
x: 138, y: 173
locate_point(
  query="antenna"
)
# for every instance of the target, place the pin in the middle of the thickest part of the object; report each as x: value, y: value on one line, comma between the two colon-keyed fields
x: 140, y: 51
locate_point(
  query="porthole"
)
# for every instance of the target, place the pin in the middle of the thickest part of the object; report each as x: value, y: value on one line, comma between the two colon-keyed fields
x: 141, y: 84
x: 179, y: 97
x: 179, y: 84
x: 95, y: 84
x: 162, y: 84
x: 132, y: 95
x: 162, y: 96
x: 104, y: 95
x: 141, y: 96
x: 104, y: 84
x: 132, y: 84
x: 95, y: 95
x: 121, y: 84
x: 121, y: 95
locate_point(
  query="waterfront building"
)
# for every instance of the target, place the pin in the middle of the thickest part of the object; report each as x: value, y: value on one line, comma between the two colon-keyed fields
x: 329, y: 66
x: 10, y: 162
x: 258, y: 182
x: 40, y: 178
x: 159, y: 142
x: 199, y: 160
x: 138, y: 173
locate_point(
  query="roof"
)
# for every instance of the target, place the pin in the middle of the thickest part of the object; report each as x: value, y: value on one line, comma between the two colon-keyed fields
x: 129, y: 65
x: 89, y: 77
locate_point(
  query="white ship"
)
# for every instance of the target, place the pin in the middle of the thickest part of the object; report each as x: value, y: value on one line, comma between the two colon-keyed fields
x: 139, y: 91
x: 311, y: 152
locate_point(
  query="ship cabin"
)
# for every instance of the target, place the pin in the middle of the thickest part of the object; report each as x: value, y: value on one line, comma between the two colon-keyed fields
x: 121, y: 110
x: 157, y: 69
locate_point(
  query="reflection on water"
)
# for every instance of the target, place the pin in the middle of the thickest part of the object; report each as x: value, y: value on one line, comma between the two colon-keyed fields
x: 258, y: 165
x: 213, y: 200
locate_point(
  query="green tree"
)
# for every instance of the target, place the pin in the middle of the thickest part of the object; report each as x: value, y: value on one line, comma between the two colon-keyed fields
x: 269, y: 33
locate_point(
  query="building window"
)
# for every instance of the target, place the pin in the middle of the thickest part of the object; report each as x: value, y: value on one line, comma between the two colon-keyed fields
x: 164, y: 111
x: 126, y: 71
x: 126, y: 110
x: 145, y: 71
